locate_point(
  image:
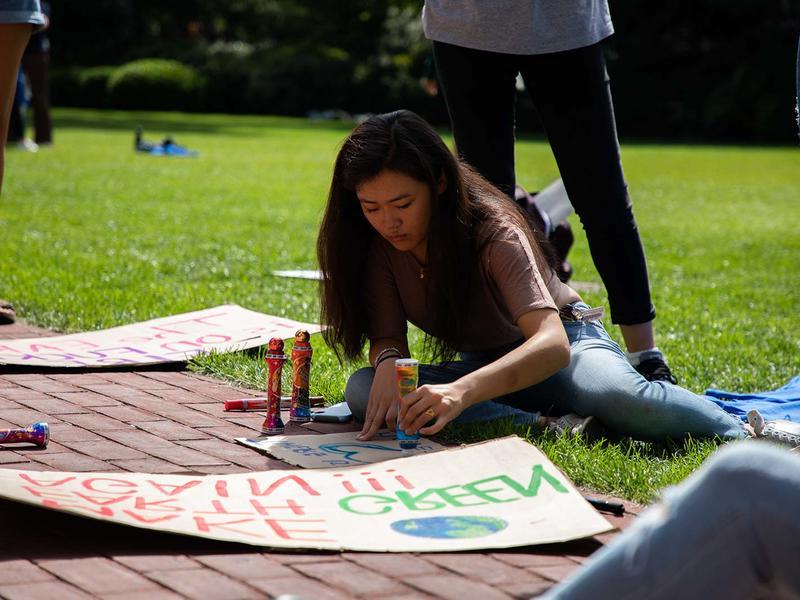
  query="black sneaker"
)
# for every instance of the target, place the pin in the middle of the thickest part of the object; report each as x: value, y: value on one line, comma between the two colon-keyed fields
x: 656, y: 369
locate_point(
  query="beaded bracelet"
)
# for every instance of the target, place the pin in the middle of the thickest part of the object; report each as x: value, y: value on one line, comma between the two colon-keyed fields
x: 381, y: 356
x: 377, y: 364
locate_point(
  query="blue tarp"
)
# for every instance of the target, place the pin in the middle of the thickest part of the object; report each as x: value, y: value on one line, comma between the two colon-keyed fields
x: 783, y: 403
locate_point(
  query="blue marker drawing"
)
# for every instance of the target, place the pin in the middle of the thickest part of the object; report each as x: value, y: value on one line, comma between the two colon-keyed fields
x: 349, y: 454
x: 453, y: 527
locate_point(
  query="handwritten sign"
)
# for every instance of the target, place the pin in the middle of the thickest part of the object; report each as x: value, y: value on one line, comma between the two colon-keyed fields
x: 300, y: 274
x: 335, y: 449
x: 497, y: 494
x: 170, y: 339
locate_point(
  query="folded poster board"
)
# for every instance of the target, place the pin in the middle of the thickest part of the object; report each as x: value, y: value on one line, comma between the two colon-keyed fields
x: 177, y: 338
x: 335, y: 449
x: 496, y: 494
x: 300, y: 274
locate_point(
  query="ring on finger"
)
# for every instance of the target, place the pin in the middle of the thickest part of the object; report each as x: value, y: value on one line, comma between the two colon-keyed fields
x: 430, y: 412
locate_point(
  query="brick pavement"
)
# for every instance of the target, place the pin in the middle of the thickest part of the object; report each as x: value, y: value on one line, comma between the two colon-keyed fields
x: 163, y: 421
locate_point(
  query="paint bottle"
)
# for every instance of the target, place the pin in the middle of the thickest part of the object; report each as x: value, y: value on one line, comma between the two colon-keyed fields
x: 407, y: 376
x: 301, y: 361
x: 38, y: 434
x: 275, y: 358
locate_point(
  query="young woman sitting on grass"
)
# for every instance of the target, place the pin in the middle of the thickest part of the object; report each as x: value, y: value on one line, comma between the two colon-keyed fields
x: 412, y: 234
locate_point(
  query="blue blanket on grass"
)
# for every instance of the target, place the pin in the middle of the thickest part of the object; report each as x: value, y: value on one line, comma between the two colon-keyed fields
x: 783, y: 403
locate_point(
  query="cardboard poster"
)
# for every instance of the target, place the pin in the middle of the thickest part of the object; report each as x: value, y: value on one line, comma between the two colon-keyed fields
x: 335, y: 449
x: 496, y: 494
x: 300, y: 274
x: 169, y: 339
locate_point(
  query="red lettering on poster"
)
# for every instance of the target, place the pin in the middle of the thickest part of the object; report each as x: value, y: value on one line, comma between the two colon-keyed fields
x: 142, y: 519
x: 170, y: 346
x: 285, y: 534
x: 44, y: 483
x: 40, y: 347
x: 82, y: 343
x: 222, y: 488
x: 176, y: 489
x: 219, y: 509
x: 46, y: 493
x: 96, y: 484
x: 276, y: 484
x: 375, y: 484
x: 158, y: 505
x: 101, y: 500
x: 101, y: 512
x: 206, y: 339
x: 290, y: 505
x: 203, y: 526
x: 404, y: 482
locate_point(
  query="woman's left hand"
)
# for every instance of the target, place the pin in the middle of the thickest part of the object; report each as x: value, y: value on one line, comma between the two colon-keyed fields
x: 442, y: 402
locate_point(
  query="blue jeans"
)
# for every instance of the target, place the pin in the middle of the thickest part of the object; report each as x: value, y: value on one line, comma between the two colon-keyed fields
x: 731, y: 530
x: 599, y: 381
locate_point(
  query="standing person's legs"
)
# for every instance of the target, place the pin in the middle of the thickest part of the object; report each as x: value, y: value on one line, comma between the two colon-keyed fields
x: 36, y: 68
x: 571, y: 93
x: 16, y: 120
x: 13, y: 37
x: 480, y: 89
x: 729, y: 531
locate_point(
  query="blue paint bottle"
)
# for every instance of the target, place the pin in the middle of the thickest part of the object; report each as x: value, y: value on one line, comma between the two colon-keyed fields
x: 407, y: 375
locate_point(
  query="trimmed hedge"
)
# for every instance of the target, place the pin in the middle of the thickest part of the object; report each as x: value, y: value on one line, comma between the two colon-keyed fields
x: 81, y: 86
x: 156, y: 84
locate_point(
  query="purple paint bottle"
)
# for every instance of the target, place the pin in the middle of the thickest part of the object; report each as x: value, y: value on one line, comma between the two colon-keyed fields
x: 38, y: 434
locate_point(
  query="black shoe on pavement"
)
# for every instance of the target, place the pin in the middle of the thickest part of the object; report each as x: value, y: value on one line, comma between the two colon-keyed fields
x: 655, y: 369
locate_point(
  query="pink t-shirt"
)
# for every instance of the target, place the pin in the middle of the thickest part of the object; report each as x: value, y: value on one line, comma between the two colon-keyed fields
x: 508, y: 286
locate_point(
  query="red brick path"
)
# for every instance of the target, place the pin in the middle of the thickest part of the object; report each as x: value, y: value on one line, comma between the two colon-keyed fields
x: 173, y: 422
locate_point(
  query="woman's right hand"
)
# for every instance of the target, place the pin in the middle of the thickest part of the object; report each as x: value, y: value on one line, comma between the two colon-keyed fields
x: 382, y: 404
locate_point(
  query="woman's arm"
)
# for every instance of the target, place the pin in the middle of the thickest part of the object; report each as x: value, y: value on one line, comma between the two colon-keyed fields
x: 544, y: 352
x: 382, y: 405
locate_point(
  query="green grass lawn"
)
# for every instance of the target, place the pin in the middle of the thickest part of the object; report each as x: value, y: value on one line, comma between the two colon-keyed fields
x: 94, y: 235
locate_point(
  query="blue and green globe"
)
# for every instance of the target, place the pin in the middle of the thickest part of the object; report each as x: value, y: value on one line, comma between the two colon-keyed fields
x: 450, y: 527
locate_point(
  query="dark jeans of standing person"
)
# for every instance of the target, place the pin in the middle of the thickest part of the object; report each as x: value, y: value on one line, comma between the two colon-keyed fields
x: 16, y: 120
x: 36, y: 67
x: 571, y: 93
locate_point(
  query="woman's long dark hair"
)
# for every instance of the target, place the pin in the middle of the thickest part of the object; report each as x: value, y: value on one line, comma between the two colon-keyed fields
x: 403, y: 142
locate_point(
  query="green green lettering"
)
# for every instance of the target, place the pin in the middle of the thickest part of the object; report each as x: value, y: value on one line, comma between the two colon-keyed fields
x: 344, y: 503
x: 451, y: 498
x: 418, y: 502
x: 537, y: 475
x: 486, y: 494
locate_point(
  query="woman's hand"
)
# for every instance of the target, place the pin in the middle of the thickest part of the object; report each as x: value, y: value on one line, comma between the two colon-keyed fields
x: 442, y: 402
x: 382, y: 404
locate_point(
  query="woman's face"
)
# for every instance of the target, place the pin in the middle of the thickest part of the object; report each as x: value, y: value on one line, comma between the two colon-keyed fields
x: 399, y: 208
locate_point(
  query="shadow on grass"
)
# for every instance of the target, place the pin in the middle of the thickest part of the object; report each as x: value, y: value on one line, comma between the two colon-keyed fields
x: 209, y: 124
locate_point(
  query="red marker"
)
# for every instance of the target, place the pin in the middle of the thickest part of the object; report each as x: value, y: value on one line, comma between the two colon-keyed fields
x: 247, y: 404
